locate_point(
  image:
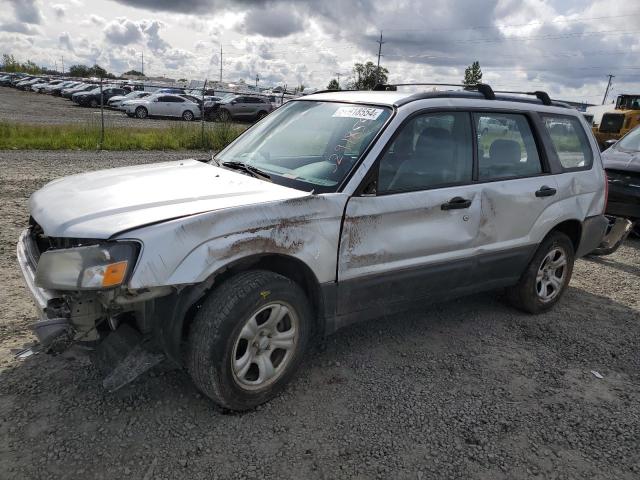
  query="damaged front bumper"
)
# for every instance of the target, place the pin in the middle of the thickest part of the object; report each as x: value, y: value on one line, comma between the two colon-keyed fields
x: 122, y: 353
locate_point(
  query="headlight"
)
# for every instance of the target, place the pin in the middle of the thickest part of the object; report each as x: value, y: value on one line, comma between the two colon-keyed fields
x: 86, y: 268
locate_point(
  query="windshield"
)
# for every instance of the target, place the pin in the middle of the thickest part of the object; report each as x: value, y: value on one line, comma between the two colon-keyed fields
x: 630, y: 142
x: 309, y: 145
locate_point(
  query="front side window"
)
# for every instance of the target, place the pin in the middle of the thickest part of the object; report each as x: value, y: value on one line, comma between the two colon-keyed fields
x: 569, y: 140
x: 430, y: 150
x: 506, y: 146
x: 310, y: 145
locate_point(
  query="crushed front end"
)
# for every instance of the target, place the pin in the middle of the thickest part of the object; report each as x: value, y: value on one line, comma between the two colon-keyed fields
x: 78, y: 288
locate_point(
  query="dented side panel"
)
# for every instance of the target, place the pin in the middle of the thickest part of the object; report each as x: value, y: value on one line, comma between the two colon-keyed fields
x: 189, y: 250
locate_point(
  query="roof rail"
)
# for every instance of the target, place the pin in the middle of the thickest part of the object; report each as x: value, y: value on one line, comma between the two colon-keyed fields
x: 483, y: 88
x: 542, y: 96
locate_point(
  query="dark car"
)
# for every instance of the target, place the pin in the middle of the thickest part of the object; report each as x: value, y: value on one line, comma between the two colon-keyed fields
x: 92, y: 98
x: 622, y: 164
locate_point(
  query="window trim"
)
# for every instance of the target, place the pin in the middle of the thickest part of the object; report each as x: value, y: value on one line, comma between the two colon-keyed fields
x: 552, y: 146
x: 535, y: 127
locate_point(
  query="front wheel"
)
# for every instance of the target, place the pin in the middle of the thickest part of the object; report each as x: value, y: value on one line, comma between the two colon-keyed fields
x: 141, y: 112
x: 187, y: 116
x: 546, y: 277
x: 248, y: 339
x: 224, y: 116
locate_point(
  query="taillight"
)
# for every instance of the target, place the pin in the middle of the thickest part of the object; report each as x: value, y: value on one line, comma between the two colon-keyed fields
x: 606, y: 191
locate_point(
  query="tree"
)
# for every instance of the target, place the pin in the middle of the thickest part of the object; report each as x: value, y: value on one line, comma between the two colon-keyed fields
x: 472, y: 74
x: 11, y: 65
x: 134, y: 72
x: 333, y: 85
x: 84, y: 71
x: 367, y: 76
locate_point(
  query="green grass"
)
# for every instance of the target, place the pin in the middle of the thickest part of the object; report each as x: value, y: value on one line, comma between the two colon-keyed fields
x: 87, y: 137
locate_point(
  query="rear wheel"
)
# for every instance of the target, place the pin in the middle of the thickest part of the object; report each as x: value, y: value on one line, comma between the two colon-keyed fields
x: 248, y: 339
x: 224, y: 116
x: 187, y: 116
x: 547, y: 276
x: 142, y: 112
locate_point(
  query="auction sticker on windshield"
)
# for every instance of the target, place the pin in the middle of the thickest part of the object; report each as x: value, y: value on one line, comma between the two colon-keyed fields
x: 364, y: 113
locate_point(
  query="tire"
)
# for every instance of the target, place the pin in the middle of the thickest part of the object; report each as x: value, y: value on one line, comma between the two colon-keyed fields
x: 187, y: 116
x: 532, y: 293
x: 224, y: 116
x: 142, y: 112
x: 217, y: 338
x: 261, y: 115
x: 94, y: 103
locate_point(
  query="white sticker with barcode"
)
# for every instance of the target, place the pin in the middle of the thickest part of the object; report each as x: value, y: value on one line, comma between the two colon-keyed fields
x: 364, y: 113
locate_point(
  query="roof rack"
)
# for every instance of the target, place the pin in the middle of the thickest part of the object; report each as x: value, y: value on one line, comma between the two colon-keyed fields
x: 540, y: 95
x: 483, y: 88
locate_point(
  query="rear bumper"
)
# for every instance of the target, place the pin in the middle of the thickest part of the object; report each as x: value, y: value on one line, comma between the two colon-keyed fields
x: 593, y: 231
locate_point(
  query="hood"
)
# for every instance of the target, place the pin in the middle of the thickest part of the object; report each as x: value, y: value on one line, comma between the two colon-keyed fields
x: 615, y: 159
x: 103, y: 203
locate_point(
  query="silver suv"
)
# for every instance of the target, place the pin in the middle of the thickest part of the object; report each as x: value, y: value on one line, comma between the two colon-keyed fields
x: 244, y: 107
x: 338, y: 207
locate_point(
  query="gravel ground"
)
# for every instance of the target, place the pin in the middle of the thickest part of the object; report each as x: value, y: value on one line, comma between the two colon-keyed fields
x: 33, y: 108
x: 465, y: 389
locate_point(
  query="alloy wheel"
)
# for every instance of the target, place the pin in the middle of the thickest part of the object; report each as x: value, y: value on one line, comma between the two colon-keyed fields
x: 552, y: 274
x: 265, y: 346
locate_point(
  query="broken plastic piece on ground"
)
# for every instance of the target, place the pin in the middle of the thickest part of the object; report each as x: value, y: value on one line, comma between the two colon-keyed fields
x: 28, y: 352
x: 596, y: 374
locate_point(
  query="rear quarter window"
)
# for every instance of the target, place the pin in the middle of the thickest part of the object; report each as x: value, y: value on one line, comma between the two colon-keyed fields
x: 569, y: 141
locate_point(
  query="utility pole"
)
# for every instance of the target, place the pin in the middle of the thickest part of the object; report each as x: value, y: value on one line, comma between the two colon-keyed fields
x: 380, y: 42
x: 142, y: 62
x: 220, y: 63
x: 62, y: 58
x: 257, y: 80
x: 606, y: 92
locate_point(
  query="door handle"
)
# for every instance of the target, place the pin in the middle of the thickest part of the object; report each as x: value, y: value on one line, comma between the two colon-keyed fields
x: 545, y: 191
x: 456, y: 203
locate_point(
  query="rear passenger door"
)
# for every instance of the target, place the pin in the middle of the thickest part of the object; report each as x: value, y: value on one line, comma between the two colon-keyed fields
x: 516, y: 189
x: 414, y: 237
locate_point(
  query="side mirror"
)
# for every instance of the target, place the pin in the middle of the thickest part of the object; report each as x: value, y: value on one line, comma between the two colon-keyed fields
x: 233, y: 102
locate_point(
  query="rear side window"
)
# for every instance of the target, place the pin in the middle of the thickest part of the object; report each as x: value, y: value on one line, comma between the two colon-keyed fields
x: 431, y: 150
x: 569, y: 141
x: 506, y: 146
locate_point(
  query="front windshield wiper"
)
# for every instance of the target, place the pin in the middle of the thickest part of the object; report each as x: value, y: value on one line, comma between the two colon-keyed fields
x: 250, y: 169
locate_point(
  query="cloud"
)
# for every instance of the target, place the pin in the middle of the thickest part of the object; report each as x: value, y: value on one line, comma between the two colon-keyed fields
x: 272, y: 22
x: 64, y: 39
x: 19, y: 27
x: 122, y: 31
x: 59, y: 10
x: 94, y: 21
x: 26, y: 11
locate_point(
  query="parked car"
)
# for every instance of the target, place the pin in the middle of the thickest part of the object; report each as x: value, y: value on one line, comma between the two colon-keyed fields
x: 491, y: 125
x: 243, y: 107
x: 622, y: 164
x: 117, y: 101
x: 163, y: 105
x: 94, y: 98
x: 339, y: 206
x: 83, y: 87
x: 44, y: 87
x: 57, y: 90
x: 175, y: 90
x: 30, y: 83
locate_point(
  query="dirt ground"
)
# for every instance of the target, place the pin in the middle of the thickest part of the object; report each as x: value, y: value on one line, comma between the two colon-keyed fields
x: 40, y: 109
x: 465, y: 389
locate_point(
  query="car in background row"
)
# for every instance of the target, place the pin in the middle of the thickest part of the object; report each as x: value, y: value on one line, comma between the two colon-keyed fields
x: 622, y: 165
x: 117, y: 101
x: 243, y: 107
x: 83, y: 87
x: 57, y: 90
x: 94, y: 97
x: 163, y: 105
x: 44, y: 87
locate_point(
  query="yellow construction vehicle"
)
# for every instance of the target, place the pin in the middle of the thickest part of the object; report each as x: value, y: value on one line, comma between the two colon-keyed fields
x: 617, y: 122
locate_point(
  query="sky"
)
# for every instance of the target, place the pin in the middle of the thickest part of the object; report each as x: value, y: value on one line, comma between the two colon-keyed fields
x: 566, y: 47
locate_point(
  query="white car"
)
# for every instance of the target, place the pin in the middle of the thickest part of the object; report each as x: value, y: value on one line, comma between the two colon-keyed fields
x: 117, y: 101
x: 162, y: 105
